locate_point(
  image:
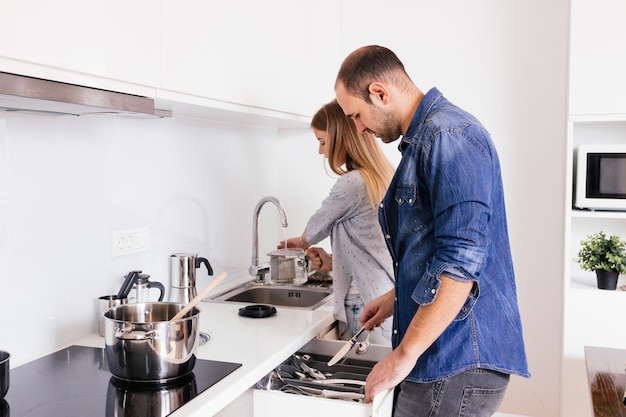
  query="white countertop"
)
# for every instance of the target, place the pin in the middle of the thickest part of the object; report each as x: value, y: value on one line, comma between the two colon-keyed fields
x: 258, y: 344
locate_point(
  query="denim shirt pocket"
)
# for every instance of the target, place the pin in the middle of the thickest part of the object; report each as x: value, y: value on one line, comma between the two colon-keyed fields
x: 406, y: 198
x: 405, y: 194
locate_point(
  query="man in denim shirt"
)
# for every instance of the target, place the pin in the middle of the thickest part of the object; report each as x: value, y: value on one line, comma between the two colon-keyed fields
x: 457, y: 333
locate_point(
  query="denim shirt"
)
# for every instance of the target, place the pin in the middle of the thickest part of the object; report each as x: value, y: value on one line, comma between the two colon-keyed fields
x: 444, y: 214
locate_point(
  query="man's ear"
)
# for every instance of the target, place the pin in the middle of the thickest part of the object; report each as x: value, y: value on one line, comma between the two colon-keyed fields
x: 379, y: 92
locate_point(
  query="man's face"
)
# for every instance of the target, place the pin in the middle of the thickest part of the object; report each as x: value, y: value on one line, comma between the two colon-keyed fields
x: 375, y: 117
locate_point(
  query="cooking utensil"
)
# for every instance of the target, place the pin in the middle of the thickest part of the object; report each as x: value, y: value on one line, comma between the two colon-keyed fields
x: 136, y: 287
x: 289, y: 266
x: 339, y: 381
x: 298, y: 362
x: 4, y: 373
x: 104, y: 304
x: 345, y: 349
x: 351, y: 385
x: 142, y: 344
x: 318, y: 375
x: 275, y: 381
x: 183, y: 276
x: 199, y: 297
x: 292, y: 370
x: 271, y: 382
x: 325, y: 393
x: 363, y: 347
x: 291, y: 373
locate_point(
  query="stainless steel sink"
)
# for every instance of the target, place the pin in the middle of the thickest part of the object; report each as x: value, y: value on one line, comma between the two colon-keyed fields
x: 291, y: 296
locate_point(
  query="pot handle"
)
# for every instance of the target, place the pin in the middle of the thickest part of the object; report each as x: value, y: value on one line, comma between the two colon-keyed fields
x: 129, y: 280
x: 128, y: 334
x: 156, y: 284
x: 205, y: 261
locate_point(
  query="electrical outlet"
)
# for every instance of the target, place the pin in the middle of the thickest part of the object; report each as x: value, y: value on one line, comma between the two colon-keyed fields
x: 129, y: 241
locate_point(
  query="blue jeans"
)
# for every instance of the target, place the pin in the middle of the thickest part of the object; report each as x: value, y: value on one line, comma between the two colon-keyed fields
x: 473, y: 393
x: 354, y: 306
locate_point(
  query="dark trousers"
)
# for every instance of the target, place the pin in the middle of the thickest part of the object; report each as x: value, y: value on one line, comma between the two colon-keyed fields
x: 473, y: 393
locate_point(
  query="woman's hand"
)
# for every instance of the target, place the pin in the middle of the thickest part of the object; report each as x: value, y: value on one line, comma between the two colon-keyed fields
x: 293, y: 242
x: 321, y: 260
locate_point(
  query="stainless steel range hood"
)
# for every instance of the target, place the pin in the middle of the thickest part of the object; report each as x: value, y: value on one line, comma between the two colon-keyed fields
x: 21, y: 93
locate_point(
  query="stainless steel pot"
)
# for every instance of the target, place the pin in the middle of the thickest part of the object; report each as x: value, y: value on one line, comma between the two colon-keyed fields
x: 141, y: 343
x: 4, y: 373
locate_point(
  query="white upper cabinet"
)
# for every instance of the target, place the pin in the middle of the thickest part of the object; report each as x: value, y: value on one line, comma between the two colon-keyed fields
x: 206, y: 49
x: 114, y: 39
x: 598, y: 61
x: 296, y: 53
x: 276, y: 58
x: 279, y: 55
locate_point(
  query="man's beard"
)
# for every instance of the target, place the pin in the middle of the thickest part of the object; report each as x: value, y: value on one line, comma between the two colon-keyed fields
x: 389, y: 128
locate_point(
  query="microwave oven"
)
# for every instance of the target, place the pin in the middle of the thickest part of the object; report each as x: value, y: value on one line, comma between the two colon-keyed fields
x: 601, y: 177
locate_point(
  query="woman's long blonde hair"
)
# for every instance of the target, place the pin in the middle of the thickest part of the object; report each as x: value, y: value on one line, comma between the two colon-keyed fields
x: 349, y: 150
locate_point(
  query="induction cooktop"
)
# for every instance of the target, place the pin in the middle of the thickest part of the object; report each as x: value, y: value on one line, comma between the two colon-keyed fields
x: 76, y: 381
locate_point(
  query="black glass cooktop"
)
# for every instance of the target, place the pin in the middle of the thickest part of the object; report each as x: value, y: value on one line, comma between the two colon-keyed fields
x: 76, y: 381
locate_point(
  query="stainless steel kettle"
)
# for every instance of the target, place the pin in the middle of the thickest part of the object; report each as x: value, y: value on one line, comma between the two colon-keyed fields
x: 183, y: 276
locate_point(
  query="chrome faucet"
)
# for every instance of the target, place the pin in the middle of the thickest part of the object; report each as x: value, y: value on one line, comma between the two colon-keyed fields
x: 255, y: 269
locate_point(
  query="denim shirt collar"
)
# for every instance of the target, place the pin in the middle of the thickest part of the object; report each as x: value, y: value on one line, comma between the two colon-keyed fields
x: 419, y: 118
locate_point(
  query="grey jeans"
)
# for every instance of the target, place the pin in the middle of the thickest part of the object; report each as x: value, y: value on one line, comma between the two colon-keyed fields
x: 473, y: 393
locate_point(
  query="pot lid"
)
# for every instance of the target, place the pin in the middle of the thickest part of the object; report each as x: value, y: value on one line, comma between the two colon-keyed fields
x: 287, y: 253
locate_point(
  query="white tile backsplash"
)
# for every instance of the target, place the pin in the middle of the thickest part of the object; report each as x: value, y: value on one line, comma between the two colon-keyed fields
x: 66, y: 182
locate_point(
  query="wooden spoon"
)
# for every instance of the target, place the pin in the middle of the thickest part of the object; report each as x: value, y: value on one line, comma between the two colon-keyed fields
x: 198, y: 297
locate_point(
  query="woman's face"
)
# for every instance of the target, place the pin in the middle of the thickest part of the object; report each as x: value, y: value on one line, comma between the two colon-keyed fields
x: 321, y: 137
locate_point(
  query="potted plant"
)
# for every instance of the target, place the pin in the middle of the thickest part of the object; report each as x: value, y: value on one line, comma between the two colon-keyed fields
x: 604, y: 255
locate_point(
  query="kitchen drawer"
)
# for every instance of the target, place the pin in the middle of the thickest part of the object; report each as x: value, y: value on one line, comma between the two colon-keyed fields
x: 280, y: 404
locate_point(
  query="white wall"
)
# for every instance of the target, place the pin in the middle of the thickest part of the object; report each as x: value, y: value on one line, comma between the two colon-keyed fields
x: 507, y: 63
x: 66, y: 182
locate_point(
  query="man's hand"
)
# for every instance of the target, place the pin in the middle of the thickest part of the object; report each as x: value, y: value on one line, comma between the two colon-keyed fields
x: 387, y: 373
x: 376, y: 311
x: 429, y: 322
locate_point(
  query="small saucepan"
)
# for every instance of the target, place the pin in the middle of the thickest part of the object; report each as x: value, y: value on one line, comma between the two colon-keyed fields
x: 4, y: 373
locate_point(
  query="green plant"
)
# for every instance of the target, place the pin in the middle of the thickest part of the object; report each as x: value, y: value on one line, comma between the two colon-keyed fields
x: 601, y: 252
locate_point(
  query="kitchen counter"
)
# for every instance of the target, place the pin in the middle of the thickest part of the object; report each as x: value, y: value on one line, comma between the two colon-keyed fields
x: 258, y: 344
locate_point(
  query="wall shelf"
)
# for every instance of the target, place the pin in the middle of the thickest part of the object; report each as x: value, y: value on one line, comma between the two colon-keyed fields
x: 598, y: 118
x: 589, y: 214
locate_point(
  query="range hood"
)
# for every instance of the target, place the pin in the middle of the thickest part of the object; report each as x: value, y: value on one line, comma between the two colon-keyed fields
x: 22, y: 93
